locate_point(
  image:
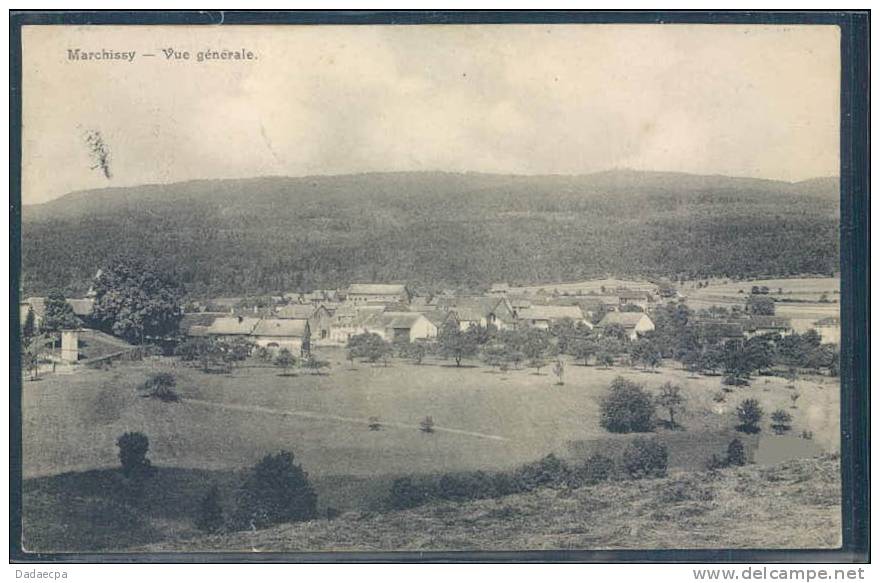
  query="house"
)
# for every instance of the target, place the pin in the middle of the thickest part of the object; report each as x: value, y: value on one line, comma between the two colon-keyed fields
x: 633, y: 323
x: 230, y: 327
x: 642, y: 299
x: 480, y: 311
x: 545, y: 316
x: 82, y: 308
x: 377, y: 293
x: 347, y: 321
x: 401, y: 326
x: 829, y: 330
x: 197, y: 323
x: 758, y: 325
x: 280, y: 333
x: 320, y: 320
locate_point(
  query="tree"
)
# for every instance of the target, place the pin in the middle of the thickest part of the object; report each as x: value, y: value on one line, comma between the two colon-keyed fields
x: 645, y: 458
x: 495, y: 354
x: 671, y: 399
x: 559, y: 371
x: 605, y: 359
x: 315, y: 364
x: 414, y: 351
x: 456, y: 344
x: 627, y: 408
x: 645, y: 352
x: 427, y: 425
x: 583, y: 349
x: 133, y: 447
x: 761, y: 305
x: 28, y: 327
x: 59, y: 314
x: 32, y: 350
x: 276, y: 490
x: 781, y: 421
x: 161, y: 386
x: 750, y: 414
x: 370, y: 346
x: 536, y: 347
x: 285, y: 359
x: 209, y: 516
x: 135, y: 300
x: 736, y: 453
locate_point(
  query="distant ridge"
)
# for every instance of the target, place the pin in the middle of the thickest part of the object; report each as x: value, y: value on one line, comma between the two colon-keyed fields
x: 436, y: 229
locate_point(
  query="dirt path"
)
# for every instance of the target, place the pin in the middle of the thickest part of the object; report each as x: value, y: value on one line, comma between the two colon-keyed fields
x: 329, y: 417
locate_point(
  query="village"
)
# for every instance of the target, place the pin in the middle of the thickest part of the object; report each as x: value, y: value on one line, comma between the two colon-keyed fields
x: 299, y: 322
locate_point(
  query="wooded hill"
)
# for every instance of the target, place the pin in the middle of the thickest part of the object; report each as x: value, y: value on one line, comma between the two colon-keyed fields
x: 272, y: 234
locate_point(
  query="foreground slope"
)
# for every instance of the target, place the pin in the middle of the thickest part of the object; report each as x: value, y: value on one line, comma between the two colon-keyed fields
x: 792, y: 505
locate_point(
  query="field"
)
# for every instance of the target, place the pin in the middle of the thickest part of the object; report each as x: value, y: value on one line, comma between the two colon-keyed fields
x: 798, y: 300
x: 225, y: 423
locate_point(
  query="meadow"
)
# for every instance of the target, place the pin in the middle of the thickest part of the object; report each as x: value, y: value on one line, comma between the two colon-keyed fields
x: 484, y: 419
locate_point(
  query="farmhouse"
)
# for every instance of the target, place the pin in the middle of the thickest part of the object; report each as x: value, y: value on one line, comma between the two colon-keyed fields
x: 278, y: 333
x: 758, y: 325
x: 401, y: 326
x: 633, y: 323
x: 377, y: 293
x: 829, y: 330
x: 230, y: 327
x: 641, y: 299
x: 545, y: 316
x: 320, y: 319
x: 480, y: 311
x: 348, y: 321
x: 82, y: 308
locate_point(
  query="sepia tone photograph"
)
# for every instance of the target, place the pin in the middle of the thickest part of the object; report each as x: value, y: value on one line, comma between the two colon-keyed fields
x: 430, y: 288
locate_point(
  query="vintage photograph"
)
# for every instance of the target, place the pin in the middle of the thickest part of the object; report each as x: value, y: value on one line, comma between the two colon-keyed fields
x: 433, y: 287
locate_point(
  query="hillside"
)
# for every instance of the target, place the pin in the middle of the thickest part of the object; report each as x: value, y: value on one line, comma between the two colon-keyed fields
x: 436, y: 230
x: 792, y: 505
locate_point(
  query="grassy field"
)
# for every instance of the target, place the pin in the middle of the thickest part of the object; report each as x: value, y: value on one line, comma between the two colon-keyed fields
x: 792, y: 505
x: 226, y: 423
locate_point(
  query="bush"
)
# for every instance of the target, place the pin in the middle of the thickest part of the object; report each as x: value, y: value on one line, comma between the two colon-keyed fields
x: 276, y: 490
x: 598, y: 468
x: 736, y: 453
x: 133, y: 447
x: 161, y: 386
x: 645, y: 458
x: 549, y: 470
x: 209, y: 517
x: 781, y: 421
x: 405, y: 493
x: 627, y: 408
x: 735, y: 381
x: 750, y: 415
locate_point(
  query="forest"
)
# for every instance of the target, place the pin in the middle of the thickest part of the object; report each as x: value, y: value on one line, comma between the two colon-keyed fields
x: 434, y: 230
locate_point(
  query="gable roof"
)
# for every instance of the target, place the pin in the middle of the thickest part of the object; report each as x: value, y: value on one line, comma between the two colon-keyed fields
x: 767, y: 323
x: 628, y: 294
x: 232, y: 326
x: 296, y: 311
x: 82, y: 307
x: 625, y: 319
x: 551, y: 313
x: 201, y: 319
x: 38, y: 305
x: 396, y: 320
x: 281, y: 327
x: 377, y: 289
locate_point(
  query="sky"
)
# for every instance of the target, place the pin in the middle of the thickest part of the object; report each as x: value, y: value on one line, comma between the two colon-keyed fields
x: 759, y: 101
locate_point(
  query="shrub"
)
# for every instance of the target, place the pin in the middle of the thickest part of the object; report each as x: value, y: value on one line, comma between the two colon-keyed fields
x: 133, y: 447
x: 598, y: 468
x: 161, y: 386
x: 736, y: 453
x: 405, y: 493
x: 285, y: 359
x: 427, y: 424
x: 276, y: 490
x: 750, y: 415
x: 209, y: 517
x: 716, y: 463
x: 735, y: 381
x: 549, y: 470
x: 645, y: 458
x: 627, y: 408
x: 781, y: 421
